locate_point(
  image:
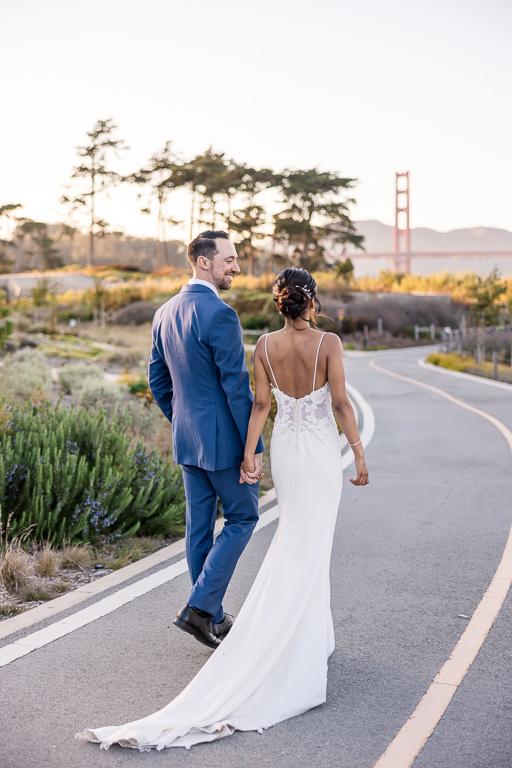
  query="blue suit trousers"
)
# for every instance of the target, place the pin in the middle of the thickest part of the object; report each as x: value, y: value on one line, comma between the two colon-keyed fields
x: 211, y: 564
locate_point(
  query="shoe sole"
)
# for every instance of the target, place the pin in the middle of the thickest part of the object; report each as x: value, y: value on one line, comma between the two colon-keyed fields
x: 191, y: 631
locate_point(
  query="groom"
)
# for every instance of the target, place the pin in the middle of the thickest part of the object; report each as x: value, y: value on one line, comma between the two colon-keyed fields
x: 198, y: 377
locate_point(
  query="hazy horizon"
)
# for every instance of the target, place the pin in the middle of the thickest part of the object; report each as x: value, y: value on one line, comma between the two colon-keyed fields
x: 363, y: 89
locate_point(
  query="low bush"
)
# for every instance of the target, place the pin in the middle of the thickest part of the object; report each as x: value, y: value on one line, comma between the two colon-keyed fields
x: 103, y: 392
x: 466, y: 364
x: 254, y: 322
x: 452, y: 362
x: 72, y: 475
x: 73, y: 376
x: 138, y: 385
x: 138, y: 313
x: 26, y: 375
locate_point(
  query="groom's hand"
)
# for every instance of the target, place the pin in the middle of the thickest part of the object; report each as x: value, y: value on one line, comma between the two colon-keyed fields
x: 250, y: 470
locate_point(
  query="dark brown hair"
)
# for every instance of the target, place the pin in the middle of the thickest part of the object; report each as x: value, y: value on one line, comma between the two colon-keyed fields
x: 292, y: 290
x: 204, y: 245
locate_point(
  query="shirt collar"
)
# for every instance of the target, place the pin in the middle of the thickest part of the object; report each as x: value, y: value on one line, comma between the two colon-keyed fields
x: 198, y: 281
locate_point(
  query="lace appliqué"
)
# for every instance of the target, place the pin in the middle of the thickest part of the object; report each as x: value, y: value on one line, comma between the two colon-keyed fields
x: 304, y: 417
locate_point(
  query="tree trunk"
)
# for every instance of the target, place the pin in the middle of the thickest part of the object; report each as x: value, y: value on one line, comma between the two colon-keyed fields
x: 192, y: 214
x: 91, y: 244
x: 229, y: 214
x: 159, y: 258
x: 163, y: 250
x: 304, y: 254
x: 250, y: 259
x: 270, y: 263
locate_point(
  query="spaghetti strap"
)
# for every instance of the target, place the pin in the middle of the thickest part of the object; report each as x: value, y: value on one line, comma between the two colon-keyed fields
x: 268, y: 361
x: 316, y: 361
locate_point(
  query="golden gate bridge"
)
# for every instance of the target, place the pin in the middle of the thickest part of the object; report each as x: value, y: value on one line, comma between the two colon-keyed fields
x: 402, y: 254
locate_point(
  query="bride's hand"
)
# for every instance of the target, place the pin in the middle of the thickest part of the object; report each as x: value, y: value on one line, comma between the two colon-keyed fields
x: 362, y: 472
x: 250, y: 469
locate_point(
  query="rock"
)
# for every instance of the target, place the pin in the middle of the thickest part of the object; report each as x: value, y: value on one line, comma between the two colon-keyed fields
x: 134, y: 314
x: 28, y: 343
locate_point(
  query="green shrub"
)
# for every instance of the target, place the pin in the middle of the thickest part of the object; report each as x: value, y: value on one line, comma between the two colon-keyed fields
x: 255, y: 322
x: 95, y: 392
x: 73, y: 476
x: 27, y: 375
x: 72, y: 377
x: 6, y: 326
x: 83, y: 313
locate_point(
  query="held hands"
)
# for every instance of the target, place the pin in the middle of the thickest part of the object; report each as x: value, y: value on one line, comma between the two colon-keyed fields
x: 362, y: 472
x: 250, y: 469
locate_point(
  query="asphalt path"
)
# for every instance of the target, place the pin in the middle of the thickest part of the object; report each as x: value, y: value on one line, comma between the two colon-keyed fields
x: 413, y: 554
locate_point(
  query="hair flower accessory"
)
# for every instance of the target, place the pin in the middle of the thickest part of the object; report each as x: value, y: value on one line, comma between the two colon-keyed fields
x: 306, y: 290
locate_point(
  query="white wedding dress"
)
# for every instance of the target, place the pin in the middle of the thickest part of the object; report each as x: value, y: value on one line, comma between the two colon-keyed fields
x: 273, y: 664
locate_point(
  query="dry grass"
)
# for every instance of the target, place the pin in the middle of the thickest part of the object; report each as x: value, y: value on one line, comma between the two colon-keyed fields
x: 131, y: 550
x: 47, y: 561
x: 16, y: 568
x: 35, y: 593
x: 8, y: 608
x: 76, y: 557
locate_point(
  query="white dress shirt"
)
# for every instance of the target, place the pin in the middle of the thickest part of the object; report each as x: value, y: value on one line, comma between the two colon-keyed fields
x: 198, y: 281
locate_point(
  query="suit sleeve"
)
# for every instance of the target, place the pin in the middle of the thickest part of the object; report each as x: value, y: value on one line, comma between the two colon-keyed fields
x: 159, y: 378
x: 229, y: 356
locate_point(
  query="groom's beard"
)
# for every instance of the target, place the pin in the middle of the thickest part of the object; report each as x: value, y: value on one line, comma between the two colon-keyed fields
x: 224, y: 283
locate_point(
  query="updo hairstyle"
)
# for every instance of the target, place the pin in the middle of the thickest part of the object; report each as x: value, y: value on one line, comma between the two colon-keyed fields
x: 292, y: 290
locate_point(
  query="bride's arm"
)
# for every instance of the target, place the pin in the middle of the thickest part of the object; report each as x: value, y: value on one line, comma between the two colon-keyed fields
x: 342, y: 406
x: 259, y: 413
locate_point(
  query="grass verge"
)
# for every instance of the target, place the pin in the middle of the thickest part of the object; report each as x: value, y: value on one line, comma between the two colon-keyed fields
x: 466, y: 364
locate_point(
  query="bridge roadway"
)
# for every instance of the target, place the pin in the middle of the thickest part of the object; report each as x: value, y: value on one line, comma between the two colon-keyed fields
x: 413, y: 554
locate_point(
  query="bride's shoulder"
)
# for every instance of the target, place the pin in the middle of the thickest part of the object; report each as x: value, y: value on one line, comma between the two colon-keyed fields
x: 332, y: 342
x: 260, y: 344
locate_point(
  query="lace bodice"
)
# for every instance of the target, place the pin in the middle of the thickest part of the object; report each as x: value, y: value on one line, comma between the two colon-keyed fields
x: 306, y: 416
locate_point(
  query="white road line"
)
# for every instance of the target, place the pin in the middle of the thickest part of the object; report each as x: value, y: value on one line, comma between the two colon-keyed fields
x: 42, y: 637
x: 468, y: 376
x: 368, y: 420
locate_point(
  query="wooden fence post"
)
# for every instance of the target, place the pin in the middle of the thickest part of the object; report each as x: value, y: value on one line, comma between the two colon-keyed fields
x: 495, y: 364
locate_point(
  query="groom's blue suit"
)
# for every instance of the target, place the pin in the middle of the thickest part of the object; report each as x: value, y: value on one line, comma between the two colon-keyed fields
x: 198, y: 377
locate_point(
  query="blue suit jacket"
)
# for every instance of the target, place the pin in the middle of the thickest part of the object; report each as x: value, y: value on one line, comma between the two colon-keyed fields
x: 198, y: 377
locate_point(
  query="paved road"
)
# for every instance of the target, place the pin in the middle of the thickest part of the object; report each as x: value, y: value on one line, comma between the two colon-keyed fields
x: 412, y: 551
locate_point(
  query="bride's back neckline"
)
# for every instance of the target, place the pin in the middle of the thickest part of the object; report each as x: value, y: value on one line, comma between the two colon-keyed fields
x: 274, y: 380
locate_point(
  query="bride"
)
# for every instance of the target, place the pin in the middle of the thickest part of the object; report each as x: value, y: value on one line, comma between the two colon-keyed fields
x: 273, y: 663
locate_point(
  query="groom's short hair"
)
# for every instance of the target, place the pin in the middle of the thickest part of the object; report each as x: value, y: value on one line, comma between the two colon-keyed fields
x: 204, y: 245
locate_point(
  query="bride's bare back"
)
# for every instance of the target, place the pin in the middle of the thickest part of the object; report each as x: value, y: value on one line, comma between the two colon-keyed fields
x: 292, y: 354
x: 292, y: 357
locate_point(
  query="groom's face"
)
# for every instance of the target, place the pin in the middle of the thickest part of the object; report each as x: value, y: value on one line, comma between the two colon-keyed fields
x: 224, y: 266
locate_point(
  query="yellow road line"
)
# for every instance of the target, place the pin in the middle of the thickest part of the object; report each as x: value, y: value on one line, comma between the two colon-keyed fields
x: 411, y: 738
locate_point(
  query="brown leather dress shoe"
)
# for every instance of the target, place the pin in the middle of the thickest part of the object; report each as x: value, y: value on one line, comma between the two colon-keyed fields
x: 221, y: 629
x: 190, y: 621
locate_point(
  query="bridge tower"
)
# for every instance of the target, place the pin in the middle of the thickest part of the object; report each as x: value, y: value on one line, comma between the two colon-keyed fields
x: 401, y: 231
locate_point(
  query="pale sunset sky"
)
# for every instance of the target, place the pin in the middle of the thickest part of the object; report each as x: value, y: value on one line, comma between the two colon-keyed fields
x: 365, y: 88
